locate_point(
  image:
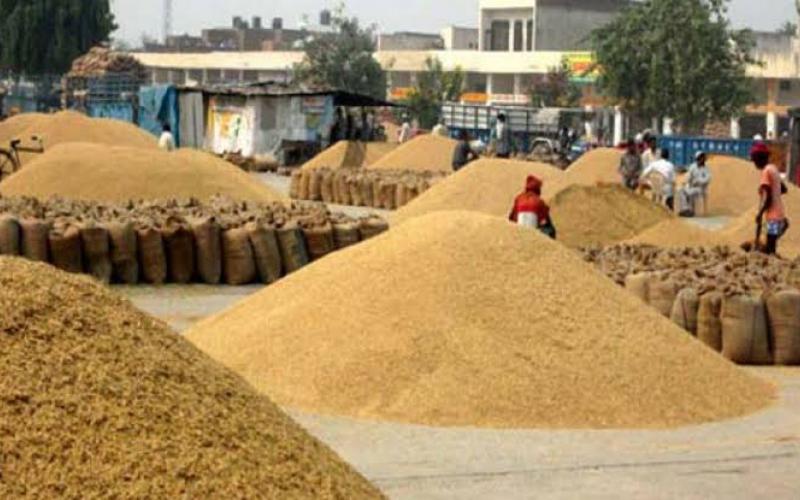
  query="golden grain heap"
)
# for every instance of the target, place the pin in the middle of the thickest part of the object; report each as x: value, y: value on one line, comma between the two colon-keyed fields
x: 349, y: 154
x: 101, y: 400
x: 463, y: 319
x: 98, y: 172
x: 596, y: 166
x: 426, y: 153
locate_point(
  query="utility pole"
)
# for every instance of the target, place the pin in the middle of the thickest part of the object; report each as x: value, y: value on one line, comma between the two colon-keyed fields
x: 167, y: 19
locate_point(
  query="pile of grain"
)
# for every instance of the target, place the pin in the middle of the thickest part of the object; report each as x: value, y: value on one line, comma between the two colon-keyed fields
x: 105, y: 173
x: 486, y: 186
x: 350, y: 154
x: 675, y: 232
x: 426, y: 152
x: 596, y: 166
x: 734, y: 185
x: 101, y: 400
x: 459, y: 318
x: 69, y: 126
x: 743, y: 228
x: 600, y: 215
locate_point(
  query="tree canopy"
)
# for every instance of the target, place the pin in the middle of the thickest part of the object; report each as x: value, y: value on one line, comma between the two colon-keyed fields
x: 343, y: 59
x: 675, y: 58
x: 556, y: 89
x: 434, y: 86
x: 45, y: 36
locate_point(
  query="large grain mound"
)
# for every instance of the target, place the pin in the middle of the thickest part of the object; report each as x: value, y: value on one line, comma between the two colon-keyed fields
x: 734, y: 186
x: 99, y: 400
x: 349, y: 154
x: 103, y: 173
x: 70, y: 126
x: 676, y: 233
x: 426, y: 152
x: 600, y: 215
x: 459, y: 318
x: 596, y: 166
x: 486, y: 186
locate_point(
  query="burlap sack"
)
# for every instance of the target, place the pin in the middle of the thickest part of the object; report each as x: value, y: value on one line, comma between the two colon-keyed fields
x: 377, y: 193
x: 303, y: 187
x: 744, y: 330
x: 9, y: 235
x: 684, y: 311
x: 372, y: 227
x: 179, y: 245
x: 343, y: 190
x: 208, y: 250
x: 294, y: 253
x: 315, y: 185
x: 294, y: 185
x: 367, y: 193
x: 124, y: 252
x: 96, y: 248
x: 783, y: 310
x: 33, y: 239
x: 326, y: 186
x: 319, y: 241
x: 388, y: 195
x: 661, y: 295
x: 266, y: 252
x: 709, y: 320
x: 354, y: 186
x: 346, y: 234
x: 401, y: 194
x: 152, y: 256
x: 65, y: 249
x: 639, y: 285
x: 238, y: 263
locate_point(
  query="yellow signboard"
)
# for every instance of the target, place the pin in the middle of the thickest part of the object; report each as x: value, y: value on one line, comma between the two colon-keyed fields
x: 582, y: 66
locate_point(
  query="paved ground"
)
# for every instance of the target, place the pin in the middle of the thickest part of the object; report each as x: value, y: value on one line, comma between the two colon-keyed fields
x: 753, y: 457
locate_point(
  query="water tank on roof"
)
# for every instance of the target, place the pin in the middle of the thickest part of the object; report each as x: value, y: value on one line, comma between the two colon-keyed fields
x: 325, y: 18
x: 257, y: 22
x: 277, y: 23
x: 237, y: 22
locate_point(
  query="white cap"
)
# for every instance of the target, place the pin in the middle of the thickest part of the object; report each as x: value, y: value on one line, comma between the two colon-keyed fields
x: 758, y: 137
x: 699, y: 154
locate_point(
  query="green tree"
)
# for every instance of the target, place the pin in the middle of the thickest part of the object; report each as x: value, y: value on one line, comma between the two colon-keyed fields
x: 556, y: 89
x: 434, y: 87
x: 343, y: 59
x: 44, y: 36
x: 788, y: 28
x: 675, y: 58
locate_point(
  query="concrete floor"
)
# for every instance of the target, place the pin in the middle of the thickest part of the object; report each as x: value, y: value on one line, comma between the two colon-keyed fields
x: 753, y: 457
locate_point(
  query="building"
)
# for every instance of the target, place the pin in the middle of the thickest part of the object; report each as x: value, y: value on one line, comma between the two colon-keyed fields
x: 405, y: 40
x: 242, y: 36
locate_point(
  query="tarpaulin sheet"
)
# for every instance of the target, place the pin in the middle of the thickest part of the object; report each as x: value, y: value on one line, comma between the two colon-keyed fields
x: 116, y: 110
x: 158, y: 105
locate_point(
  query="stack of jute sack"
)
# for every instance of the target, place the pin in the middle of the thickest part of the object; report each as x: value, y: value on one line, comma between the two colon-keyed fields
x: 173, y: 241
x: 384, y: 189
x: 746, y: 306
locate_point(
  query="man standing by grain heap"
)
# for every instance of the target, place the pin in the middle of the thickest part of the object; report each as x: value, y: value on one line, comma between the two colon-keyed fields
x: 530, y: 210
x: 502, y: 137
x: 167, y: 141
x: 771, y: 190
x: 630, y: 166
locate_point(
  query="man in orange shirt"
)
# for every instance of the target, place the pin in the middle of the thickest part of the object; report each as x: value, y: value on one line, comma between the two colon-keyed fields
x: 771, y: 190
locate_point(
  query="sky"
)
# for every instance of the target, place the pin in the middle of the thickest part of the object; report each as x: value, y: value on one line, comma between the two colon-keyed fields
x: 137, y: 17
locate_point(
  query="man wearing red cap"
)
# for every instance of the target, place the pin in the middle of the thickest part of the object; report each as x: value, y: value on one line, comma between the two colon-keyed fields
x: 530, y: 210
x: 771, y: 190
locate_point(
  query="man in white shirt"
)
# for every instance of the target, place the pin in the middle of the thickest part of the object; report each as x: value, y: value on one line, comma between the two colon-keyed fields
x: 167, y: 141
x: 405, y: 132
x: 696, y: 187
x: 650, y: 154
x: 666, y: 171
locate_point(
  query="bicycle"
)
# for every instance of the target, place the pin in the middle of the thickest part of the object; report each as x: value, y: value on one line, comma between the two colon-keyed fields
x: 9, y: 157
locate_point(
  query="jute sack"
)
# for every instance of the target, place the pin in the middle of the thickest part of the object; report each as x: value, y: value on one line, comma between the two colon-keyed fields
x: 389, y: 190
x: 372, y: 227
x: 33, y: 239
x: 152, y: 257
x: 783, y: 310
x: 346, y: 234
x: 367, y: 193
x: 238, y: 263
x: 709, y: 320
x: 208, y: 249
x: 684, y: 311
x: 315, y: 185
x: 179, y: 244
x: 294, y: 253
x: 343, y: 189
x: 65, y: 249
x: 319, y: 241
x: 96, y: 251
x: 639, y: 285
x: 294, y: 185
x: 354, y: 186
x: 9, y: 235
x: 401, y: 194
x: 326, y: 186
x: 303, y: 186
x: 377, y: 193
x: 744, y: 330
x: 661, y: 294
x: 124, y: 260
x: 266, y: 252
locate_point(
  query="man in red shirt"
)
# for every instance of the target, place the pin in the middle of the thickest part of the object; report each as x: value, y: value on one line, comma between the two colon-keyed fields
x: 530, y: 210
x: 771, y: 190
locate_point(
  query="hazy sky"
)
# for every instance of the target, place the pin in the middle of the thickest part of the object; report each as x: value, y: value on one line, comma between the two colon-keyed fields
x: 136, y: 17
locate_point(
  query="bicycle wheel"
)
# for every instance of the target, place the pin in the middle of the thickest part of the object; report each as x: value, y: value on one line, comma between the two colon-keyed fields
x: 7, y: 164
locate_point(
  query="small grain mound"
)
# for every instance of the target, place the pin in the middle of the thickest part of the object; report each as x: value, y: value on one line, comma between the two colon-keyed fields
x: 734, y: 185
x: 486, y: 186
x: 601, y: 215
x: 97, y: 172
x: 426, y: 152
x: 743, y: 228
x: 99, y: 400
x: 596, y: 166
x: 349, y: 154
x: 463, y: 319
x: 675, y: 233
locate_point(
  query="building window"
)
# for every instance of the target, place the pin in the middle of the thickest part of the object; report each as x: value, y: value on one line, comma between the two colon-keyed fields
x: 500, y: 34
x: 786, y: 85
x: 529, y: 41
x: 517, y: 36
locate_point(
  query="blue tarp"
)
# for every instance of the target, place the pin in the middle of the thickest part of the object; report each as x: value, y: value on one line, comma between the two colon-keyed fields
x: 158, y: 105
x: 683, y: 149
x: 116, y: 110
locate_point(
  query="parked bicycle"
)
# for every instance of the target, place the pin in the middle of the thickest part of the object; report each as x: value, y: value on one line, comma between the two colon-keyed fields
x: 9, y: 157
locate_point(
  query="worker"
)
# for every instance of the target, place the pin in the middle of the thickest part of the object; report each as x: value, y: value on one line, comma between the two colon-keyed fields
x: 663, y: 168
x: 502, y: 137
x: 696, y: 187
x: 530, y: 210
x: 463, y: 153
x: 630, y: 166
x: 650, y: 154
x: 405, y: 131
x: 167, y: 140
x: 771, y: 190
x: 441, y: 129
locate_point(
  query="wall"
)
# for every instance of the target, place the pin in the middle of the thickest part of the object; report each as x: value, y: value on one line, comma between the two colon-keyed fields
x: 456, y: 38
x: 410, y: 41
x: 565, y: 24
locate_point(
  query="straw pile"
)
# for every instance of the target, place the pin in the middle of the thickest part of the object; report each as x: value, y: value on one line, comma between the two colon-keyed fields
x: 103, y: 173
x: 100, y: 61
x: 349, y: 154
x: 425, y: 152
x: 99, y: 400
x: 596, y: 166
x: 600, y: 215
x: 486, y: 186
x: 433, y: 323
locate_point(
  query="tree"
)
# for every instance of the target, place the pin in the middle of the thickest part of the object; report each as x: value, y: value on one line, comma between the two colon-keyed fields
x: 44, y: 36
x: 556, y: 89
x: 675, y: 58
x: 434, y: 87
x: 788, y: 28
x: 343, y: 59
